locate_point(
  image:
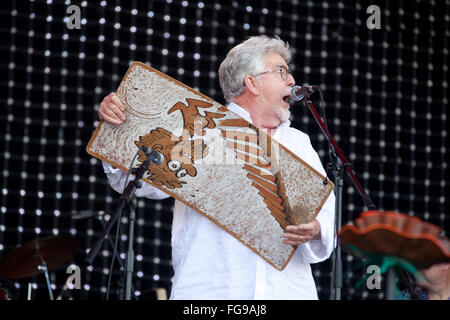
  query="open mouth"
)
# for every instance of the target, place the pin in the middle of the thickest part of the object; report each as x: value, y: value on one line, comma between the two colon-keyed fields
x: 287, y: 99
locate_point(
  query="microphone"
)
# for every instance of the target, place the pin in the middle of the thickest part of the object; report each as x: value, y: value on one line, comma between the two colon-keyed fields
x: 298, y: 93
x: 155, y: 156
x: 85, y: 214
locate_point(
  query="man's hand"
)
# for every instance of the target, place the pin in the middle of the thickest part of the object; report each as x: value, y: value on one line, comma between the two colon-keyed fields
x: 302, y: 233
x: 111, y: 109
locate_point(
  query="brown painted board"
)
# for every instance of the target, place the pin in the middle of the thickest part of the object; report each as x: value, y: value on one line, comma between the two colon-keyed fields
x: 215, y: 162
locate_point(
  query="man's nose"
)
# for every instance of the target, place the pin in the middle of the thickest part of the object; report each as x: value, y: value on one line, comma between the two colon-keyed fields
x: 290, y: 80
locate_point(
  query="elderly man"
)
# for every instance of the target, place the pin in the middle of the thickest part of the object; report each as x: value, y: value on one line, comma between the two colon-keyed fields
x: 208, y: 262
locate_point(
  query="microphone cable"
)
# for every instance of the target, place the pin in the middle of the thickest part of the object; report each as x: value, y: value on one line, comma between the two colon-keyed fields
x: 118, y: 232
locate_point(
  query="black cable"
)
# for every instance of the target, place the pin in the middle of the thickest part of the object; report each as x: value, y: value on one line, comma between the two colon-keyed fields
x: 118, y: 232
x: 114, y: 256
x: 330, y: 165
x: 324, y: 117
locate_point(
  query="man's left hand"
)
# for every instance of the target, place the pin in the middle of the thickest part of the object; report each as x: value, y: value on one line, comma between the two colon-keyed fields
x: 302, y: 233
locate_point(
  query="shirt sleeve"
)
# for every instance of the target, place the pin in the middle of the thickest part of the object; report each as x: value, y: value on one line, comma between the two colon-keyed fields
x: 315, y: 251
x: 117, y: 178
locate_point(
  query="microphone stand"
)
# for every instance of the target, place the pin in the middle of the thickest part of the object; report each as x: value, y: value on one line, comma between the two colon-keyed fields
x: 126, y: 201
x: 340, y: 165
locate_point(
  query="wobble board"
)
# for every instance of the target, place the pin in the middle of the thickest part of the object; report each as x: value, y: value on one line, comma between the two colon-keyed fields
x: 214, y: 161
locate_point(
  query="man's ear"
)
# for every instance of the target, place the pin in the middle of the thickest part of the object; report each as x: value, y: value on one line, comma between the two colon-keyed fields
x: 252, y: 85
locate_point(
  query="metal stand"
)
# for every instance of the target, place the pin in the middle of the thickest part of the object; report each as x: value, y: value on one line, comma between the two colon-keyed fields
x: 391, y: 280
x: 43, y: 267
x: 129, y: 265
x: 127, y: 202
x: 29, y: 291
x: 336, y: 256
x: 340, y: 165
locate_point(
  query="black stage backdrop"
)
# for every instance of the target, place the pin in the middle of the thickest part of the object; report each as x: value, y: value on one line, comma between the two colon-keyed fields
x: 385, y: 90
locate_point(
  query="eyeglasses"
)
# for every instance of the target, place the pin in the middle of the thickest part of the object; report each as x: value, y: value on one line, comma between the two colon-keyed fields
x: 284, y: 72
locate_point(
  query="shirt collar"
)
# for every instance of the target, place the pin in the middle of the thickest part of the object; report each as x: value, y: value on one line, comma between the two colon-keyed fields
x: 246, y: 116
x: 239, y: 111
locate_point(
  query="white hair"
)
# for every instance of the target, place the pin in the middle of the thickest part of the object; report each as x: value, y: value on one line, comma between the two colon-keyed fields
x: 247, y: 58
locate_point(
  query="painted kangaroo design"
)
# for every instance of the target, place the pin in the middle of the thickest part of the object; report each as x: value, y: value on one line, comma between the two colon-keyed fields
x: 181, y: 152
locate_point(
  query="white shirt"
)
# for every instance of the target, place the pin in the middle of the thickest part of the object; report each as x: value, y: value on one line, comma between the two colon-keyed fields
x: 209, y: 263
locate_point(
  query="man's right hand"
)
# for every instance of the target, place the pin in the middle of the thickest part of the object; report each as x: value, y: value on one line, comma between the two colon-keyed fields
x: 111, y: 109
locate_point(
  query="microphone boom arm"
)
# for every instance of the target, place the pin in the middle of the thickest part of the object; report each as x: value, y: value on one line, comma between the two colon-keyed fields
x: 343, y: 162
x: 341, y: 165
